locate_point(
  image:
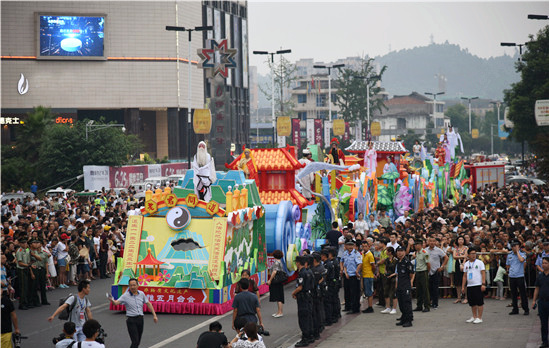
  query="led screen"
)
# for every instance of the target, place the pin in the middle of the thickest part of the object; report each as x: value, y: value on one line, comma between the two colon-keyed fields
x: 71, y: 36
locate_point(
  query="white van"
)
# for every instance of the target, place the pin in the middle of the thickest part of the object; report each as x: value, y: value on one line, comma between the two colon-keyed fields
x: 64, y: 193
x: 157, y: 181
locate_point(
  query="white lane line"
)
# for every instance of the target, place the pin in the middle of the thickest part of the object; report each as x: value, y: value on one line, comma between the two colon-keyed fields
x: 188, y: 331
x: 60, y: 323
x: 194, y: 328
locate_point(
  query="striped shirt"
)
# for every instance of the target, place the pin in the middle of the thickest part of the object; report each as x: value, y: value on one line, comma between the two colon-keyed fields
x: 134, y: 303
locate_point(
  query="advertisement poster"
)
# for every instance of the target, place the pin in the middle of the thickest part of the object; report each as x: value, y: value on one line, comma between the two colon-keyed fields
x: 318, y: 132
x: 296, y: 132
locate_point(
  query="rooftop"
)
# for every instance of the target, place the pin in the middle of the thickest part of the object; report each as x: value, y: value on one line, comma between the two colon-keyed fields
x: 379, y: 146
x: 271, y: 159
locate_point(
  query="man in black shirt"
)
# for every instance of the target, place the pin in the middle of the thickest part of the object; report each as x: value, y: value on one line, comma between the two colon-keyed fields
x: 213, y: 338
x: 9, y: 318
x: 333, y: 236
x: 246, y: 304
x: 541, y: 293
x: 405, y: 278
x: 302, y: 293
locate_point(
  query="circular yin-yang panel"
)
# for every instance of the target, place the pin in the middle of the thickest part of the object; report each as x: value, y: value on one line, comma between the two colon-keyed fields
x: 178, y: 218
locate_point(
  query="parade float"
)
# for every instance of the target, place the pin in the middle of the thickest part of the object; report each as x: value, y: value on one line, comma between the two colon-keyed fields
x: 188, y: 247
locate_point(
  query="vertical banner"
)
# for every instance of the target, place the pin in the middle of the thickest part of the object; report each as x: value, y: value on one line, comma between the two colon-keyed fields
x: 237, y: 38
x: 133, y: 240
x: 327, y: 133
x: 217, y: 249
x: 347, y: 134
x: 310, y: 131
x: 318, y: 132
x: 244, y: 53
x: 296, y: 132
x: 230, y: 44
x: 502, y: 133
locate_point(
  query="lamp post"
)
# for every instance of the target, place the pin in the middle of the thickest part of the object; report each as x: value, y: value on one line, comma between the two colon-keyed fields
x: 512, y: 44
x: 434, y: 101
x: 336, y: 66
x: 367, y: 79
x: 469, y: 99
x: 273, y: 88
x: 90, y: 127
x: 189, y: 117
x: 540, y: 17
x: 492, y: 138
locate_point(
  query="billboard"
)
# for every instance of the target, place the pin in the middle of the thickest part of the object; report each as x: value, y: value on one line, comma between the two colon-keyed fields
x: 542, y: 112
x: 71, y: 36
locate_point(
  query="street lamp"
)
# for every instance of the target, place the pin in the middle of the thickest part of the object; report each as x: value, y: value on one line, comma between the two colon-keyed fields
x: 434, y: 101
x: 90, y: 127
x: 367, y: 79
x: 541, y: 17
x: 512, y: 44
x: 189, y: 117
x: 498, y: 106
x: 492, y: 137
x: 273, y: 87
x: 336, y: 66
x: 469, y: 99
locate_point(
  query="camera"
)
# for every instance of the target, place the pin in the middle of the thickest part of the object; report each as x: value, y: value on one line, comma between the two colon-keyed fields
x: 58, y: 338
x: 101, y: 337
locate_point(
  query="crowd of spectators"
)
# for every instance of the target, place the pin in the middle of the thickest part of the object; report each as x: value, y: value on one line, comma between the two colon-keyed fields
x: 66, y: 239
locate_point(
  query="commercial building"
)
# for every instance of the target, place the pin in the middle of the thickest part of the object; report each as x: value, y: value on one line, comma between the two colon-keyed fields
x: 114, y: 61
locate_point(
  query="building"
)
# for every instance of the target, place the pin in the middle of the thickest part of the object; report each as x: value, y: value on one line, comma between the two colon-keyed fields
x: 115, y: 61
x: 410, y: 112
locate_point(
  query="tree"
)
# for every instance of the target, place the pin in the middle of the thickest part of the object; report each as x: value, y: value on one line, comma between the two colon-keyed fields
x: 284, y: 74
x: 351, y: 91
x: 521, y: 98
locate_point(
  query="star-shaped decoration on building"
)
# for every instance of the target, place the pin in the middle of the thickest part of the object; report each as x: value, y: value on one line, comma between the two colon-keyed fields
x: 226, y: 55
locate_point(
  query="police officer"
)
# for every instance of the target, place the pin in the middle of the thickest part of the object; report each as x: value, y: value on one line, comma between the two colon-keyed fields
x: 405, y: 277
x: 319, y: 290
x: 329, y: 266
x: 352, y: 266
x: 334, y: 284
x: 23, y: 274
x: 302, y: 294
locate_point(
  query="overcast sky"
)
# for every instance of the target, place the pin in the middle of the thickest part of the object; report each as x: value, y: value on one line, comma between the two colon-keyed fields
x: 327, y: 31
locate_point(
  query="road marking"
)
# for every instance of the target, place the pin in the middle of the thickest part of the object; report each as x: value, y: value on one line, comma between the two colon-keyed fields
x: 95, y: 310
x: 188, y: 331
x: 194, y: 328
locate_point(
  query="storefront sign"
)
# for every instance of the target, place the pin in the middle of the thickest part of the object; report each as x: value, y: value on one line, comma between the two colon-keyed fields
x: 64, y: 120
x: 23, y: 85
x: 202, y: 121
x: 339, y: 127
x: 283, y: 126
x: 11, y: 121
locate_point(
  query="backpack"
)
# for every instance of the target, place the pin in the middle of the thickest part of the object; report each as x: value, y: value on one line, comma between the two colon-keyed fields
x: 79, y: 344
x: 66, y: 313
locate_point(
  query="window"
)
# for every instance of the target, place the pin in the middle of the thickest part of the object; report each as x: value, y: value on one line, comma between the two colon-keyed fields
x: 302, y: 115
x: 439, y: 122
x: 321, y: 100
x: 401, y: 123
x: 302, y: 98
x: 440, y: 107
x: 323, y: 115
x: 334, y: 98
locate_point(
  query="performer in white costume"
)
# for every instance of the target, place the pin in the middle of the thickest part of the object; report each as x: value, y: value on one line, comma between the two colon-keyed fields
x: 308, y: 179
x: 370, y: 159
x: 454, y: 139
x: 203, y: 167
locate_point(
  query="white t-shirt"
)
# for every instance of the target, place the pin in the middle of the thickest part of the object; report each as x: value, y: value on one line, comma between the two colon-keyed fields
x: 61, y: 251
x: 473, y: 271
x: 96, y: 241
x: 361, y: 226
x: 90, y: 344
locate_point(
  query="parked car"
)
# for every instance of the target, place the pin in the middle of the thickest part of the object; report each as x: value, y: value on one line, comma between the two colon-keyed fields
x: 525, y: 180
x: 59, y: 192
x: 20, y: 196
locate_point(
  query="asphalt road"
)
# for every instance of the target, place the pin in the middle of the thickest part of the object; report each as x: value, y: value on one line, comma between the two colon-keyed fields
x: 172, y: 330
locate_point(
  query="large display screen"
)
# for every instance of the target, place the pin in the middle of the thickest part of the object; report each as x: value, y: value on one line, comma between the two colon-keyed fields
x: 72, y: 37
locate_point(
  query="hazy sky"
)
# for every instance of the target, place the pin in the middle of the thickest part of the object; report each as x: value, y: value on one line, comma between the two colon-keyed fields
x: 326, y: 30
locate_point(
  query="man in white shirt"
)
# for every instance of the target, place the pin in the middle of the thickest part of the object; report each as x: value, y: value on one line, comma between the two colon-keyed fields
x: 91, y: 330
x: 474, y: 275
x: 393, y: 241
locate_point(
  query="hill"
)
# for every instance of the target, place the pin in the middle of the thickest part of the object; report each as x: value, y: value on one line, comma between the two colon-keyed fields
x: 416, y: 69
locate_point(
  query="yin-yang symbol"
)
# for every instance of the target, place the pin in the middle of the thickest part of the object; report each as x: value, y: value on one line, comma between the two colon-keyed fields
x: 178, y: 218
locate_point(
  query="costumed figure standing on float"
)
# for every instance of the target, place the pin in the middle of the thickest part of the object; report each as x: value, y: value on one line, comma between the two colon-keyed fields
x: 370, y: 159
x: 248, y: 166
x: 203, y: 167
x: 440, y: 154
x: 335, y: 156
x: 454, y: 139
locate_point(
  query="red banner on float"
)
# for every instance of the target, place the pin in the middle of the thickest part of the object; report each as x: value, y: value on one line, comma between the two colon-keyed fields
x: 318, y: 132
x: 296, y: 132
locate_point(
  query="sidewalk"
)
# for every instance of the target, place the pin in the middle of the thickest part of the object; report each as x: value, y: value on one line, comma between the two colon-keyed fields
x: 444, y: 327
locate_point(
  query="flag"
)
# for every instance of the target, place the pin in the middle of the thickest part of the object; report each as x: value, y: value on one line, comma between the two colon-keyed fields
x: 313, y: 82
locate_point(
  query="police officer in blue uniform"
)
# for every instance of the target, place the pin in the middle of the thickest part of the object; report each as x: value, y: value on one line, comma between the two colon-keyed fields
x: 302, y: 294
x: 352, y: 266
x: 405, y: 278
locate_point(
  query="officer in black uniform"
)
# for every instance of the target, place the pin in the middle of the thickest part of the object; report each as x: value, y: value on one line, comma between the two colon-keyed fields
x: 334, y: 285
x: 319, y: 291
x: 302, y: 294
x: 329, y: 266
x: 405, y: 277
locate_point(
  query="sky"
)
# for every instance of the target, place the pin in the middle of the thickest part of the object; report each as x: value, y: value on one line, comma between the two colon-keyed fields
x: 327, y: 31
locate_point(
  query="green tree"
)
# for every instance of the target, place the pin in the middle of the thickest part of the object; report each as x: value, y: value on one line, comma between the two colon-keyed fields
x: 351, y: 96
x: 284, y: 74
x: 521, y: 98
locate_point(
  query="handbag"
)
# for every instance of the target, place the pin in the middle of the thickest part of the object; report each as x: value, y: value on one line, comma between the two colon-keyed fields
x: 280, y: 277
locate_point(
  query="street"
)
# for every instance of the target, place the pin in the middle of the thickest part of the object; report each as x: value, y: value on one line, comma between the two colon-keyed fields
x: 447, y: 324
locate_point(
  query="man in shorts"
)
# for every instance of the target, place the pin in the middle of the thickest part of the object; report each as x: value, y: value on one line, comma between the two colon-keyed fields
x: 474, y: 275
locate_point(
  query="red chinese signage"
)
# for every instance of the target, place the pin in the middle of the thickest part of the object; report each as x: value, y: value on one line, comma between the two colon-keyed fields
x: 318, y: 132
x: 296, y: 132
